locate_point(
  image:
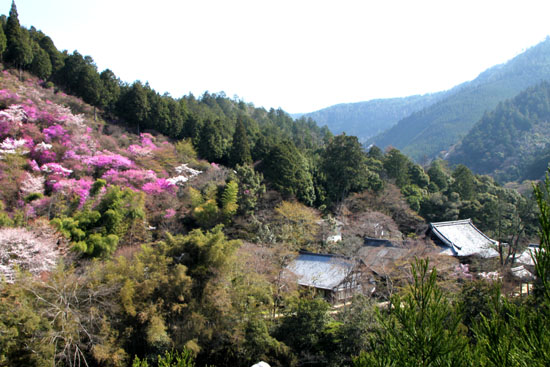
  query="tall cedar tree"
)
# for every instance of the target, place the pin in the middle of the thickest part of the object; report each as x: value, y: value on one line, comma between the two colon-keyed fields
x: 19, y: 51
x: 240, y: 150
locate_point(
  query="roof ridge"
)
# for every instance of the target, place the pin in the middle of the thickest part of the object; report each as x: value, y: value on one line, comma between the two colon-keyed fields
x: 451, y: 222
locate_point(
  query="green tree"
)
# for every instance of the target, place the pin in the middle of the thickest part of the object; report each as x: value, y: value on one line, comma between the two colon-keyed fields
x: 240, y: 149
x: 56, y: 58
x: 418, y: 176
x: 41, y: 65
x: 288, y: 172
x: 110, y: 91
x: 229, y: 200
x: 344, y: 166
x: 542, y: 257
x: 296, y: 224
x: 133, y: 105
x: 422, y: 328
x: 211, y: 145
x: 396, y: 165
x: 375, y: 153
x: 311, y: 318
x: 251, y: 187
x: 464, y: 182
x: 207, y: 254
x: 19, y: 49
x: 438, y: 175
x: 118, y: 217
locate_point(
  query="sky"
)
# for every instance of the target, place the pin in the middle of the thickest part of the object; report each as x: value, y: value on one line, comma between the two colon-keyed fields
x: 299, y: 55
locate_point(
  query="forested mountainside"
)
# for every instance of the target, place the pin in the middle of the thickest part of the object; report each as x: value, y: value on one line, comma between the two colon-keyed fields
x: 512, y: 142
x: 124, y: 246
x: 433, y: 130
x: 367, y: 119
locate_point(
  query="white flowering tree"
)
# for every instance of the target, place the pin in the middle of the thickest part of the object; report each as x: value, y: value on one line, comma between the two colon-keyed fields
x: 35, y: 251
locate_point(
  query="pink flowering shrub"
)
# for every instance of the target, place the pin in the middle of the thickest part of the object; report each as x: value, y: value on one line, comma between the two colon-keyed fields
x: 109, y: 160
x: 170, y: 212
x: 72, y: 187
x: 34, y: 251
x: 31, y: 132
x: 7, y: 97
x: 138, y: 150
x: 133, y: 178
x: 34, y: 166
x: 55, y: 132
x: 42, y: 153
x: 160, y: 186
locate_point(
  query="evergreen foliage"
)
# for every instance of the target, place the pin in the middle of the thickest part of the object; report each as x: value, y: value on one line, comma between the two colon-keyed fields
x: 97, y: 231
x: 288, y: 172
x: 344, y: 166
x: 422, y: 328
x: 240, y: 149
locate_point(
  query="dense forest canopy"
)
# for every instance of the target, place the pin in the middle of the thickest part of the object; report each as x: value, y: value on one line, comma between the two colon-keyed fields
x: 145, y: 230
x: 511, y: 142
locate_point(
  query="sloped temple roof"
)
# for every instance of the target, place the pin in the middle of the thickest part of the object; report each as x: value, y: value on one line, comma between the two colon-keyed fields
x: 321, y: 270
x: 464, y: 239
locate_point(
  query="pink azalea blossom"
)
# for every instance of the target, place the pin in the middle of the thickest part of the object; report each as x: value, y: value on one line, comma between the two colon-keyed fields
x: 134, y: 178
x: 34, y: 165
x: 170, y: 213
x: 159, y: 186
x: 80, y: 187
x: 109, y: 159
x: 56, y: 169
x: 55, y: 132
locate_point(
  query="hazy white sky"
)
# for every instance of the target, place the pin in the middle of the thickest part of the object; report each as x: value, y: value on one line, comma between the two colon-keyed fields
x: 299, y: 55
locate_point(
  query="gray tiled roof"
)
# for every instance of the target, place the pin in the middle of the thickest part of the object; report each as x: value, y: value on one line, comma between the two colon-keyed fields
x: 321, y: 270
x: 464, y: 239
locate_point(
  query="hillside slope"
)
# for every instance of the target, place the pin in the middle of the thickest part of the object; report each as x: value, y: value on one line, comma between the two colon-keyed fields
x: 508, y: 142
x: 432, y: 131
x: 366, y: 119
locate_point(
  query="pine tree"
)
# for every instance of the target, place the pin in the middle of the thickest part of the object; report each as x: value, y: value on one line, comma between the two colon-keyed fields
x: 240, y: 150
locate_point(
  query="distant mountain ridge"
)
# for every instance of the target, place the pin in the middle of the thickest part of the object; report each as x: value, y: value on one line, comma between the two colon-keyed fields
x: 367, y: 119
x: 432, y: 131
